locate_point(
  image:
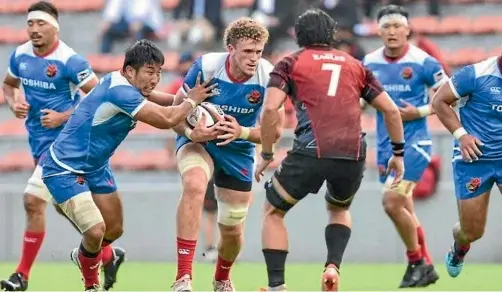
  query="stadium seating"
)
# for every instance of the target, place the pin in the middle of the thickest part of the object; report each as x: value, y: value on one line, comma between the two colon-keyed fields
x: 455, y: 33
x: 20, y: 6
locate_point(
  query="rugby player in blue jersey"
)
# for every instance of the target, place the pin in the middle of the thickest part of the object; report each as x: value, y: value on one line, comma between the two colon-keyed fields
x: 407, y: 73
x: 477, y: 152
x: 225, y: 151
x: 51, y: 75
x: 76, y: 169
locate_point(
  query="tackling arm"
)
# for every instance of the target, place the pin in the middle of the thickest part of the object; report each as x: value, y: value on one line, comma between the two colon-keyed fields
x: 181, y: 128
x: 161, y: 98
x: 164, y: 117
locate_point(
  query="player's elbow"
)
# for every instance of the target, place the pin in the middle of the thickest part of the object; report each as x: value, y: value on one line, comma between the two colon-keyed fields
x: 438, y: 103
x: 171, y: 122
x: 391, y: 112
x: 278, y: 135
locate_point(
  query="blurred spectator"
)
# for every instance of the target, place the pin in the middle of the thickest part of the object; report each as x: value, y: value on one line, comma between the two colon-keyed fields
x: 279, y: 17
x: 197, y: 22
x: 430, y: 48
x: 342, y: 11
x: 347, y: 41
x: 184, y: 63
x: 122, y: 19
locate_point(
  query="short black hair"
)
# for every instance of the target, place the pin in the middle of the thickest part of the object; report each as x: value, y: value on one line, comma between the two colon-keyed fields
x: 143, y: 52
x: 392, y: 9
x: 45, y: 7
x: 315, y: 27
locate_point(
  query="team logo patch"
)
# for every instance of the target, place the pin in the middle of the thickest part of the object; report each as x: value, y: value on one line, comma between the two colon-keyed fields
x: 82, y: 75
x: 254, y: 97
x: 51, y: 71
x: 473, y: 185
x: 407, y: 73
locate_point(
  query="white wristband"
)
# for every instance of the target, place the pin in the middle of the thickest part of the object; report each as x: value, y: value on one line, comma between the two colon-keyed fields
x: 244, y: 133
x: 191, y: 102
x: 459, y: 133
x: 424, y: 110
x: 188, y: 133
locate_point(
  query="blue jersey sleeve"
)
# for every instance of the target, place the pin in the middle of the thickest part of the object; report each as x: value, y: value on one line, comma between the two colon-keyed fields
x: 463, y: 82
x: 127, y: 99
x: 434, y: 74
x: 79, y: 70
x: 191, y: 76
x: 13, y: 66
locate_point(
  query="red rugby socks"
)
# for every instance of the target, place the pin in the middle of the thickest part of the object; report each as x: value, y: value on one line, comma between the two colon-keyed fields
x: 106, y: 253
x: 89, y: 266
x: 222, y: 269
x: 32, y: 241
x: 423, y: 245
x: 186, y: 253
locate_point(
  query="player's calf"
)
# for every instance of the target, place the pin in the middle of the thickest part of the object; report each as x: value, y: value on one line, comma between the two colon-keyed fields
x: 35, y: 212
x: 472, y: 208
x: 36, y: 197
x: 195, y: 173
x: 274, y: 233
x: 82, y: 210
x: 394, y: 203
x: 232, y: 211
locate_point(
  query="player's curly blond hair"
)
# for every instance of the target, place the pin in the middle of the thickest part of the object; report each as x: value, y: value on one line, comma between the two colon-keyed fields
x: 245, y: 28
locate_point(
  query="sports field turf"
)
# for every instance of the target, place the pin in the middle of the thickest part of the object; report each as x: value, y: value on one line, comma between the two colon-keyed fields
x: 137, y: 276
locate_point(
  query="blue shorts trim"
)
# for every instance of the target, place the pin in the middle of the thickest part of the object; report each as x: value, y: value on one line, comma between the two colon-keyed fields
x: 239, y: 165
x: 416, y: 160
x: 64, y: 185
x: 476, y: 178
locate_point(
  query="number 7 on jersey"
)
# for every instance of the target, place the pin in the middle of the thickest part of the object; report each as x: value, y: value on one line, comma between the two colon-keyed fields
x: 335, y: 76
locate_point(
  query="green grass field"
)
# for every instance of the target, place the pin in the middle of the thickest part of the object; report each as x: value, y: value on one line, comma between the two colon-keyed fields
x: 136, y: 276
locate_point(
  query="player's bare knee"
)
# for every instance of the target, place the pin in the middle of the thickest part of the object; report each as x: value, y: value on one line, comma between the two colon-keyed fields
x: 339, y: 215
x: 95, y: 234
x: 34, y: 206
x: 231, y: 232
x: 393, y: 202
x: 194, y: 186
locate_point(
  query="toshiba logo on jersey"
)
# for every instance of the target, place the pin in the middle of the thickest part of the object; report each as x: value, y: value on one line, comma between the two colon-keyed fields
x: 397, y: 87
x: 37, y: 83
x: 236, y: 109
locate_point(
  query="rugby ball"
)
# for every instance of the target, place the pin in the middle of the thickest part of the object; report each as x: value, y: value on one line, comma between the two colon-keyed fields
x: 212, y: 112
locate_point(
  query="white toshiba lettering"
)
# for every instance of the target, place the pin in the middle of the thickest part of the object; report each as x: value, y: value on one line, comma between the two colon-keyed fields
x: 235, y: 109
x: 397, y: 87
x: 37, y: 83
